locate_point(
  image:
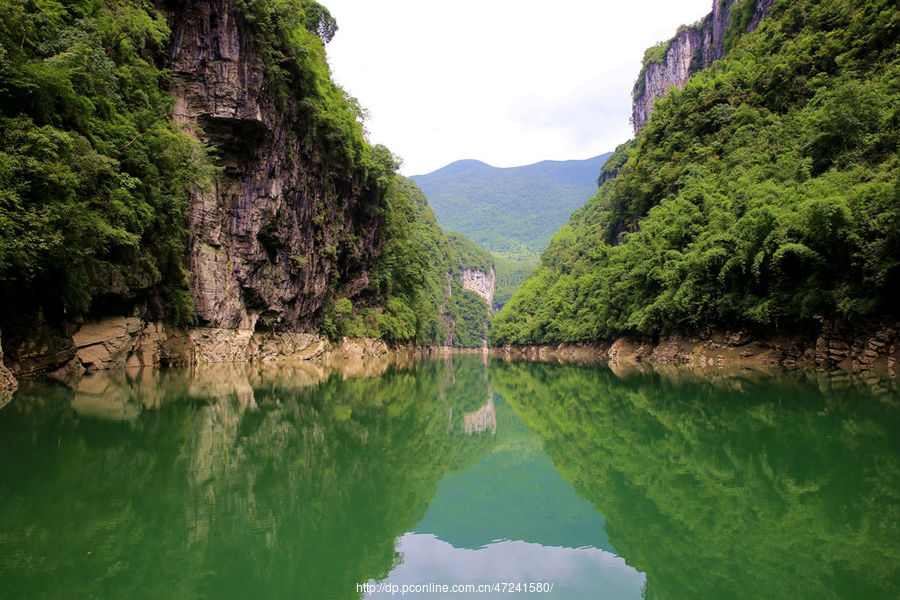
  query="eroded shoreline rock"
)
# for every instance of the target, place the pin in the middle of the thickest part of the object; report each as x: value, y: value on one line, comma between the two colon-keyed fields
x: 839, y: 351
x: 8, y: 383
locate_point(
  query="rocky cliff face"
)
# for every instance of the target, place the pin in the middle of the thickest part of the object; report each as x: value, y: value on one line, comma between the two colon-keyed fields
x: 479, y: 282
x: 282, y: 231
x: 8, y: 383
x: 475, y: 280
x: 692, y: 49
x: 278, y: 236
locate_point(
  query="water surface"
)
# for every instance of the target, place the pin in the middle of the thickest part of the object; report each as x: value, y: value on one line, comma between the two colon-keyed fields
x: 270, y: 481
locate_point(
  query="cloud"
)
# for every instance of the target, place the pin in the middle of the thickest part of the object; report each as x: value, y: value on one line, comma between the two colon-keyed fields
x: 593, y: 112
x: 504, y: 81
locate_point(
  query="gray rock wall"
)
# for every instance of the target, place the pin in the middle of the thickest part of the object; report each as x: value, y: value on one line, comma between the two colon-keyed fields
x: 280, y: 233
x: 479, y: 282
x: 692, y: 49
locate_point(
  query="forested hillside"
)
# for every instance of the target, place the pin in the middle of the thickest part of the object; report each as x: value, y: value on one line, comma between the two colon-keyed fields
x: 195, y: 164
x: 512, y: 212
x: 94, y: 173
x: 764, y: 195
x: 420, y: 265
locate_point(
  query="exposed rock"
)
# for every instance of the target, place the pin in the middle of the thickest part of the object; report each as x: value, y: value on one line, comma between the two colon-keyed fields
x: 215, y: 345
x: 8, y: 383
x: 692, y: 49
x: 361, y: 348
x: 109, y: 343
x: 278, y: 235
x: 679, y: 63
x: 566, y: 352
x: 479, y: 282
x: 874, y: 349
x: 759, y: 13
x: 301, y: 346
x: 125, y: 342
x: 623, y: 350
x: 37, y: 347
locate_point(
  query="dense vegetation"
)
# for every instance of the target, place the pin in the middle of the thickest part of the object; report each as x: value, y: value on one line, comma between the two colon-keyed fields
x: 468, y: 254
x: 511, y: 212
x: 93, y: 172
x: 290, y: 37
x: 765, y: 194
x: 95, y: 175
x: 411, y: 280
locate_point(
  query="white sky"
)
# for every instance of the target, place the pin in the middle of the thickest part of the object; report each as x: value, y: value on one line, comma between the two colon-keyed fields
x: 503, y: 81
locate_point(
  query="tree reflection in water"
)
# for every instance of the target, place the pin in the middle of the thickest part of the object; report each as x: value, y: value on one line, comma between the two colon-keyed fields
x: 732, y: 488
x: 225, y: 481
x: 298, y: 481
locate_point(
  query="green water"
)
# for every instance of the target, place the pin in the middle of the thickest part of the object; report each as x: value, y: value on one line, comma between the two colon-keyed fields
x: 264, y: 482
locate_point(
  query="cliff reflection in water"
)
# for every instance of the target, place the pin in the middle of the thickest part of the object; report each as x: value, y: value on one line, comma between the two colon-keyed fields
x: 271, y: 480
x: 739, y: 488
x: 225, y: 481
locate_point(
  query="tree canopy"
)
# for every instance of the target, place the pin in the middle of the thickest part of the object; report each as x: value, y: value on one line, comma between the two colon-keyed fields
x: 764, y: 194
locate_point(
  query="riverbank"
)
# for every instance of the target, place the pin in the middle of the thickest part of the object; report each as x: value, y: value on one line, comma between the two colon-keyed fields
x: 118, y: 343
x: 852, y: 348
x: 126, y: 342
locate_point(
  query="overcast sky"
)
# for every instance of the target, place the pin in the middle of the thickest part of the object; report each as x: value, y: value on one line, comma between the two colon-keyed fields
x: 508, y: 82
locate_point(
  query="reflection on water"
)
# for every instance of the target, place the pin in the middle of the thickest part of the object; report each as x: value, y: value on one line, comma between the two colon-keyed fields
x: 483, y: 419
x: 737, y: 488
x: 280, y: 480
x: 582, y: 572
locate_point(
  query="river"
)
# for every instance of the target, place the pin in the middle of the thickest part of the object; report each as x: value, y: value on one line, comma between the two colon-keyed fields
x: 536, y: 480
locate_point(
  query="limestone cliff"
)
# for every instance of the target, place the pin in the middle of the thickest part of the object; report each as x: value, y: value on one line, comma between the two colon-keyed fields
x: 278, y: 235
x: 290, y: 224
x: 692, y: 49
x: 465, y: 319
x: 480, y: 282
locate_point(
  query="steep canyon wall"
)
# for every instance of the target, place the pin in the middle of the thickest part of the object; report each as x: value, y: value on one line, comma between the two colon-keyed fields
x: 693, y: 48
x: 281, y: 232
x: 288, y: 225
x: 480, y: 282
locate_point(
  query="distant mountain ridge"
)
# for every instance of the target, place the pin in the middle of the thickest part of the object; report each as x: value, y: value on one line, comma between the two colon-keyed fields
x: 510, y: 210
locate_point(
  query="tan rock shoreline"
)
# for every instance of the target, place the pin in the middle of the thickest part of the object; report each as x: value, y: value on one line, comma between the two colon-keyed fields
x: 840, y: 352
x: 118, y: 343
x: 877, y: 352
x: 127, y: 342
